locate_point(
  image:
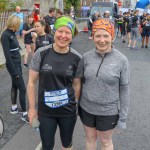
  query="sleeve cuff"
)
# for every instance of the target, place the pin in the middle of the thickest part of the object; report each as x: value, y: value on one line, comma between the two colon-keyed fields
x: 121, y: 124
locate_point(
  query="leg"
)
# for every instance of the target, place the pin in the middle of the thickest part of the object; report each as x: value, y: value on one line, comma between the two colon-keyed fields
x: 14, y: 96
x: 132, y: 37
x: 48, y: 126
x: 91, y: 138
x: 135, y: 35
x: 28, y: 51
x: 13, y: 92
x: 121, y: 29
x: 66, y: 126
x: 143, y: 39
x: 147, y: 39
x: 19, y: 83
x: 106, y: 139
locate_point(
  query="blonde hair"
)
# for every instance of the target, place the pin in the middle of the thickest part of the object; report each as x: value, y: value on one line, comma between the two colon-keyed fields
x: 13, y: 22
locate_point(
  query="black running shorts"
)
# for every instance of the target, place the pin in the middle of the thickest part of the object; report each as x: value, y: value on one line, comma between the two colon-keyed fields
x: 100, y: 123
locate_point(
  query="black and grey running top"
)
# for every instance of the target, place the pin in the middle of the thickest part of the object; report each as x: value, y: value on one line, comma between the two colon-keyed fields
x: 56, y: 96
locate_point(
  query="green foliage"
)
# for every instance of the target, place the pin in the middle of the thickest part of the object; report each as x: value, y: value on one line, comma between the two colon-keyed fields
x: 9, y: 5
x: 74, y: 3
x: 13, y: 5
x: 4, y: 5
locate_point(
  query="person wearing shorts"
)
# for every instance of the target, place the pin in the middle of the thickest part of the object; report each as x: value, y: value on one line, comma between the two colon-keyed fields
x: 28, y: 29
x: 104, y: 101
x: 59, y: 86
x: 145, y: 31
x: 134, y: 30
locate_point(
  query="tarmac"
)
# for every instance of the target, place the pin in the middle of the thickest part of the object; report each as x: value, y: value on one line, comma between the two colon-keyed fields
x: 28, y: 138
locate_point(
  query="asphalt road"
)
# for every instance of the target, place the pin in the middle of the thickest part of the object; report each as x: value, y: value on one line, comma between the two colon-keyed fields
x: 137, y: 134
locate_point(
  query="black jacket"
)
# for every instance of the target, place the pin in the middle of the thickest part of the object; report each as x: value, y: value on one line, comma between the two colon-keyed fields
x: 11, y: 51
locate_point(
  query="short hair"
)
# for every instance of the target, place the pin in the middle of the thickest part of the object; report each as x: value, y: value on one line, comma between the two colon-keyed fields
x: 59, y: 12
x: 51, y: 10
x: 13, y: 22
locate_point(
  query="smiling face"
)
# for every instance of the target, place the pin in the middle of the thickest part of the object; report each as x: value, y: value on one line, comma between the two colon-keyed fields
x: 63, y: 37
x: 102, y: 40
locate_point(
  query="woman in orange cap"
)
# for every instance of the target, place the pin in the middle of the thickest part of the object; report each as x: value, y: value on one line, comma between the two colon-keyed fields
x: 105, y: 91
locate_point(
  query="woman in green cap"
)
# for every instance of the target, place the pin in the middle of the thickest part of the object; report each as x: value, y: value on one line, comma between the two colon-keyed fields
x: 59, y: 86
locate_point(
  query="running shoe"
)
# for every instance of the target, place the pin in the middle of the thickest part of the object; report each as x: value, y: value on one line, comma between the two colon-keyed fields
x: 14, y: 111
x: 142, y: 46
x: 128, y: 47
x: 134, y: 48
x: 146, y: 46
x: 25, y: 118
x: 26, y: 66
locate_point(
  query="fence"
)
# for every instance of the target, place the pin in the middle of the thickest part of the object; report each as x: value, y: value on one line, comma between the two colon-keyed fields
x: 4, y: 17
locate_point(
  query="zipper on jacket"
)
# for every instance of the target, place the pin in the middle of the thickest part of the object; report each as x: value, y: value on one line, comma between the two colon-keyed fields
x: 100, y: 65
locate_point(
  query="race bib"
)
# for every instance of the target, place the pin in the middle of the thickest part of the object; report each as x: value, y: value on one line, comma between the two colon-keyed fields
x: 52, y: 26
x: 55, y: 99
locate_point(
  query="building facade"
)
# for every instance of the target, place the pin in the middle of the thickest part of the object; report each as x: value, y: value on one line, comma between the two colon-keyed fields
x: 43, y: 5
x: 89, y: 2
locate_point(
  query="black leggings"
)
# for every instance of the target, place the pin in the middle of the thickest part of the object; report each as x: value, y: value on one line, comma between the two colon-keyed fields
x: 120, y: 28
x: 48, y: 126
x: 18, y: 84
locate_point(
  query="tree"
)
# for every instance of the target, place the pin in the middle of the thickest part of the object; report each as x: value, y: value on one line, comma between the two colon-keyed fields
x: 4, y: 5
x: 9, y: 5
x: 12, y: 5
x: 74, y: 3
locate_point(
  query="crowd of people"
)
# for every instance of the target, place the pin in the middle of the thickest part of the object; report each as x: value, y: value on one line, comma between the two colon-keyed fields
x: 96, y: 83
x: 130, y: 27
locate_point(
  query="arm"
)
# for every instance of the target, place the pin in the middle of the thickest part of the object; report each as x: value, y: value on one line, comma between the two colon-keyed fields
x: 124, y: 96
x: 77, y: 87
x: 33, y: 44
x: 24, y: 32
x: 6, y: 49
x: 31, y: 87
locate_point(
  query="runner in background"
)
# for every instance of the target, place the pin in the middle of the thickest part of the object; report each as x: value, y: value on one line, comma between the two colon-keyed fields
x: 50, y: 18
x: 42, y: 35
x: 21, y: 16
x: 27, y: 32
x: 59, y: 13
x: 119, y: 19
x: 12, y: 55
x: 145, y: 24
x: 36, y: 15
x: 90, y: 23
x: 134, y: 30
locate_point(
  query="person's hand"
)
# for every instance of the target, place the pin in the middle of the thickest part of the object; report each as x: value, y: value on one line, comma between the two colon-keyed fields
x: 17, y: 76
x: 34, y: 35
x: 118, y: 131
x: 32, y: 113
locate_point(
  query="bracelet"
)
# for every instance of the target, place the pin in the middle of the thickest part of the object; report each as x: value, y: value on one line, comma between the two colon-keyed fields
x: 33, y: 41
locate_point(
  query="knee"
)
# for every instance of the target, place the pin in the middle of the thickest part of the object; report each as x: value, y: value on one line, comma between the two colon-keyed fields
x: 106, y: 143
x: 91, y: 138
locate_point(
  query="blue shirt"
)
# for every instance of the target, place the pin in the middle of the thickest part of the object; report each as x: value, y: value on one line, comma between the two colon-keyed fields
x: 21, y: 16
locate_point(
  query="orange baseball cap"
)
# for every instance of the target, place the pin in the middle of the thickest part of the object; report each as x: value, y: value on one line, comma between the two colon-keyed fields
x: 104, y: 24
